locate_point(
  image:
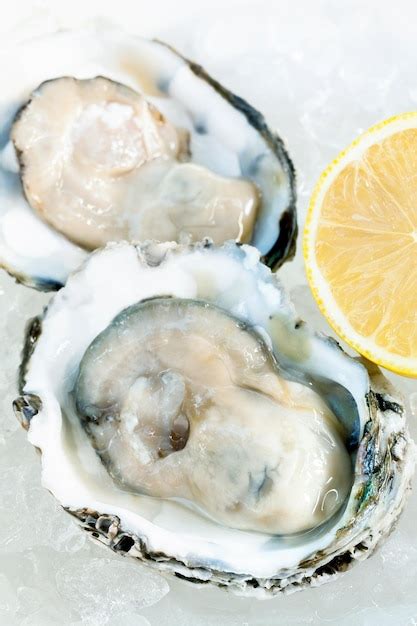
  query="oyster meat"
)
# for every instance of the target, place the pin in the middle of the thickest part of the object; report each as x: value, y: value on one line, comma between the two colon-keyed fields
x: 192, y: 421
x: 111, y: 137
x: 114, y: 170
x: 178, y: 376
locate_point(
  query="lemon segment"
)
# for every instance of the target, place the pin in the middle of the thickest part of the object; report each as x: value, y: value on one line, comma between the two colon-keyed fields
x: 360, y: 244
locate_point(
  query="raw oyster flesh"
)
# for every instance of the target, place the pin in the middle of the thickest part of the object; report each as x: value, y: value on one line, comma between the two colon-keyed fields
x: 179, y: 376
x: 115, y: 170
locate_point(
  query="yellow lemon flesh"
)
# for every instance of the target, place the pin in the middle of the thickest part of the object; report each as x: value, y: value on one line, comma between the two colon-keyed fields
x: 360, y: 244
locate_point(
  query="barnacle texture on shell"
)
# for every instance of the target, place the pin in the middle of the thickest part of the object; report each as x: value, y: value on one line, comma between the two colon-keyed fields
x: 173, y: 460
x: 112, y: 137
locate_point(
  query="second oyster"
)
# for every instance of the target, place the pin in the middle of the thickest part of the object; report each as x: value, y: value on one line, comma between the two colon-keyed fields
x: 132, y: 142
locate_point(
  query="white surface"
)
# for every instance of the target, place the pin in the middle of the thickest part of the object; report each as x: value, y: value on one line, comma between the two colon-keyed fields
x: 321, y: 72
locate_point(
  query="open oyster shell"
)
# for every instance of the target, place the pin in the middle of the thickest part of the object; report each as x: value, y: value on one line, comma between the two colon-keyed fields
x: 225, y: 135
x: 167, y: 533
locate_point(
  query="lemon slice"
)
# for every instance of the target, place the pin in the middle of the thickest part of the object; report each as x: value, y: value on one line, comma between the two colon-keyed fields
x: 360, y: 244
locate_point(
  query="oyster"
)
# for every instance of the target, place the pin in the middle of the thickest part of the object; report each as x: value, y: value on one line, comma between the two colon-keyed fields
x: 124, y: 139
x: 193, y: 422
